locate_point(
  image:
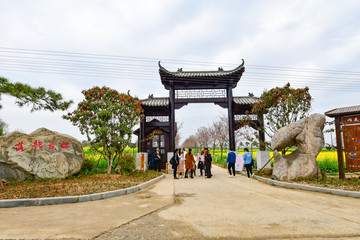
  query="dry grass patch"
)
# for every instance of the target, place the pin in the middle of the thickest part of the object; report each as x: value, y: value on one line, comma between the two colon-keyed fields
x: 327, y: 181
x: 41, y: 188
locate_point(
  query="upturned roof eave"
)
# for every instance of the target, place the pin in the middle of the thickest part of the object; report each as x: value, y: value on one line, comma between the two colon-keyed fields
x: 236, y: 74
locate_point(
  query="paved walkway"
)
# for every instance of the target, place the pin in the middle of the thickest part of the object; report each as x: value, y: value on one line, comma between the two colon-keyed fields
x: 83, y: 220
x: 218, y: 208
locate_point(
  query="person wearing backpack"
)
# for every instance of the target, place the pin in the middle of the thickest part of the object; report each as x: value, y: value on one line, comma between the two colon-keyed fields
x: 174, y: 161
x: 248, y: 162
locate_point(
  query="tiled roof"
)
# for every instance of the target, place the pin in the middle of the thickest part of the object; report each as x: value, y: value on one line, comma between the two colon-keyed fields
x: 164, y: 101
x: 245, y: 100
x: 156, y: 102
x: 343, y: 111
x: 200, y: 74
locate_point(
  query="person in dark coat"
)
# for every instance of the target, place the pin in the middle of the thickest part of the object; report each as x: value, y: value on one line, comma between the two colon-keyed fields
x: 201, y: 163
x: 151, y: 158
x: 157, y: 160
x: 231, y: 160
x: 175, y: 162
x: 208, y: 160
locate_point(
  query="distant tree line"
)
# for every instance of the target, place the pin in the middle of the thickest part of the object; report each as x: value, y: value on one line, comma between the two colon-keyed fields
x: 279, y: 106
x: 216, y: 136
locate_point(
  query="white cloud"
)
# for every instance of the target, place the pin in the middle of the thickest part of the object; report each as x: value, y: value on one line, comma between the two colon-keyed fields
x: 303, y: 34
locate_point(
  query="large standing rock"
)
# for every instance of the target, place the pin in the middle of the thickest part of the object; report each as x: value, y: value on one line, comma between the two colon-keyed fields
x: 307, y: 135
x: 43, y: 154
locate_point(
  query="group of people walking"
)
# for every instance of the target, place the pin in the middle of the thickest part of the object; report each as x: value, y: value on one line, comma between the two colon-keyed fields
x: 185, y: 163
x: 248, y: 162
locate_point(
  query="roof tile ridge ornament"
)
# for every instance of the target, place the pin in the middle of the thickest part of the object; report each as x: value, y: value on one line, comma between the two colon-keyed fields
x: 162, y: 68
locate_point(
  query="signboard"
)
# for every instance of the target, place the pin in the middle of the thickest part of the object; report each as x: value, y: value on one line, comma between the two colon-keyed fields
x: 351, y: 136
x: 350, y: 120
x: 141, y: 163
x: 239, y: 164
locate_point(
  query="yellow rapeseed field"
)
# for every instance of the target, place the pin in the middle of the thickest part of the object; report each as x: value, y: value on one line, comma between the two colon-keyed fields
x: 327, y: 155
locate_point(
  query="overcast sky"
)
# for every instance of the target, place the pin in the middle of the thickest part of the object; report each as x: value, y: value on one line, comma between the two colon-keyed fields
x: 306, y: 43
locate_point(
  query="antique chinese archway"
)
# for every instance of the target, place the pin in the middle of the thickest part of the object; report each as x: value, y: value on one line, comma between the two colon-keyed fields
x: 159, y: 127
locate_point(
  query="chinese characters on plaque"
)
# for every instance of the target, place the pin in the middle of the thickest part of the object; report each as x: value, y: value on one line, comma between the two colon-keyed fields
x: 39, y: 144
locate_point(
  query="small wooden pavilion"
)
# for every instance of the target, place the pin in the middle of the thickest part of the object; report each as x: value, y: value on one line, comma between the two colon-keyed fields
x: 159, y: 127
x: 347, y: 122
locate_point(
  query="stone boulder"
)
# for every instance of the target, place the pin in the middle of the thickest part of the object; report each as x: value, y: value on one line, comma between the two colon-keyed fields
x: 41, y: 154
x: 305, y: 134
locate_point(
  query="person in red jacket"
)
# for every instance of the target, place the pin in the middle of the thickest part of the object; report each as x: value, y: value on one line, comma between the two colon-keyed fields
x: 189, y: 163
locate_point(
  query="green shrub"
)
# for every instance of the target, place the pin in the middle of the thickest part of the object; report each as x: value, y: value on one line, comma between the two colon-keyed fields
x: 88, y: 164
x: 89, y: 167
x: 329, y: 165
x: 102, y: 164
x: 127, y: 164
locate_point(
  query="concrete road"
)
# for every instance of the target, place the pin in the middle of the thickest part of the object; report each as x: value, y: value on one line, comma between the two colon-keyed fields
x: 199, y: 208
x: 238, y: 208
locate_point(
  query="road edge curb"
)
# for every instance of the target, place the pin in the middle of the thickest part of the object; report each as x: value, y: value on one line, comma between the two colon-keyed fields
x: 27, y: 202
x: 337, y: 192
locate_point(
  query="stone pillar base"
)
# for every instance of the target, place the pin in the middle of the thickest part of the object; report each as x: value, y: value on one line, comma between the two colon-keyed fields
x: 262, y: 157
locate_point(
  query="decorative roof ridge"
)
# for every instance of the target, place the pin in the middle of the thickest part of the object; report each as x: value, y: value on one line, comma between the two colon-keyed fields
x: 220, y: 69
x: 246, y: 97
x: 154, y: 98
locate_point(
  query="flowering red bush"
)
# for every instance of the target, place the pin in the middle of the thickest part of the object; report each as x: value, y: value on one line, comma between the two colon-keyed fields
x: 280, y: 107
x: 107, y: 118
